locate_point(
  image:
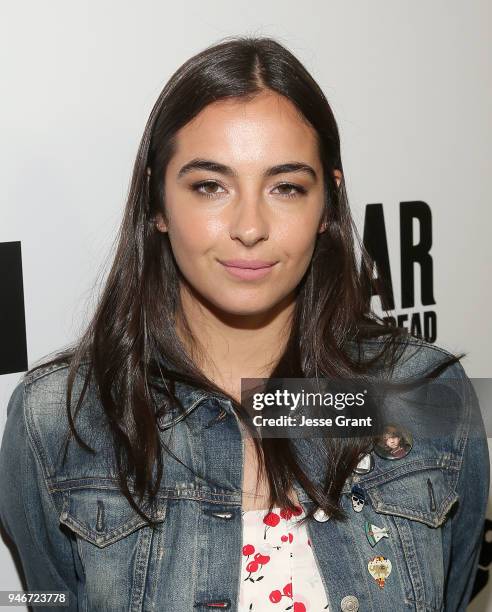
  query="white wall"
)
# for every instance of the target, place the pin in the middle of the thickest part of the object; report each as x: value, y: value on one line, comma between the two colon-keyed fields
x: 410, y: 85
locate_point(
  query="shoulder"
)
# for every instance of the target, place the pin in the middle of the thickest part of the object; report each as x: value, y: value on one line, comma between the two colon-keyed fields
x: 39, y: 402
x: 45, y: 395
x: 414, y: 357
x: 48, y: 381
x: 417, y: 359
x: 440, y: 399
x: 45, y: 375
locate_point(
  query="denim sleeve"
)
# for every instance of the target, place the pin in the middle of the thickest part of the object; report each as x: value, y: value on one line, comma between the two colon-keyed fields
x: 28, y: 512
x: 467, y: 523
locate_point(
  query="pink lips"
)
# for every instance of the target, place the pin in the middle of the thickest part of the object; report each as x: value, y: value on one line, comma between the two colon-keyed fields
x: 248, y: 269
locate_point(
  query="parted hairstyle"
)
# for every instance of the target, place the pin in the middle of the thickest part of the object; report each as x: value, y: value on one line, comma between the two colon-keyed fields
x: 131, y: 338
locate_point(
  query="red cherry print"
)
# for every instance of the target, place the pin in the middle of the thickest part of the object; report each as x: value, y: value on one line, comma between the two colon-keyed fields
x: 299, y: 607
x: 252, y: 566
x: 275, y: 596
x: 297, y: 511
x: 284, y: 538
x: 271, y: 519
x: 248, y: 549
x: 286, y: 513
x: 262, y: 559
x: 288, y: 589
x: 291, y: 537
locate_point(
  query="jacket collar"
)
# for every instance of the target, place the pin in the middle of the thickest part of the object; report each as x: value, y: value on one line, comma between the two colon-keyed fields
x: 190, y: 398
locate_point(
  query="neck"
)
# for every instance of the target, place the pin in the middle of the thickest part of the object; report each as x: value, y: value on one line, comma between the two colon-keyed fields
x: 228, y: 346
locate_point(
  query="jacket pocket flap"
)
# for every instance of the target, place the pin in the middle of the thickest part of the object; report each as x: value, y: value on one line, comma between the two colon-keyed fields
x: 426, y: 496
x: 102, y: 516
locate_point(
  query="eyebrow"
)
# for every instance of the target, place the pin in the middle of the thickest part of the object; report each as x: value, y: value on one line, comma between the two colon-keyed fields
x: 213, y: 166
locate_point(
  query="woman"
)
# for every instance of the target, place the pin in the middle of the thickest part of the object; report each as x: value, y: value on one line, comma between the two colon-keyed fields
x: 236, y: 260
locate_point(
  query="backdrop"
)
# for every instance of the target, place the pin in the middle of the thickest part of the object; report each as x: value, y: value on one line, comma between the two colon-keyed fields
x: 411, y: 88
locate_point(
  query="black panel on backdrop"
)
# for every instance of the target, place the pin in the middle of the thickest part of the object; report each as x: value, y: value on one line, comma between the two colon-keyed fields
x: 420, y: 323
x: 376, y: 244
x: 411, y: 253
x: 13, y: 352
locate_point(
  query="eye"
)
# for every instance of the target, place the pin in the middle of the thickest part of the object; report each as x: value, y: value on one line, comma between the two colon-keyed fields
x: 203, y: 188
x: 197, y: 187
x: 289, y: 186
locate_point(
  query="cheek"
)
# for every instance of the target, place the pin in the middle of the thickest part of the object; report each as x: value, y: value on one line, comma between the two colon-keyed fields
x: 297, y: 241
x: 192, y: 235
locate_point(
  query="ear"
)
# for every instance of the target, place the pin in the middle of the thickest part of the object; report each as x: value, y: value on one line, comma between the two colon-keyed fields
x: 160, y: 224
x: 338, y: 177
x: 323, y: 226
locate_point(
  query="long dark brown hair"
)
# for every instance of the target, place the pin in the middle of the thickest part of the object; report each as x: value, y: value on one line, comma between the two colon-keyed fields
x: 131, y: 339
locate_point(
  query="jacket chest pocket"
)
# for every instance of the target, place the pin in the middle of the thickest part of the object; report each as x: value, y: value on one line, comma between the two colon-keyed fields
x: 116, y: 552
x: 417, y: 505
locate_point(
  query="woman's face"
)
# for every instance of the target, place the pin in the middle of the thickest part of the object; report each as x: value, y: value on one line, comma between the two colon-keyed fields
x: 241, y: 204
x: 392, y: 441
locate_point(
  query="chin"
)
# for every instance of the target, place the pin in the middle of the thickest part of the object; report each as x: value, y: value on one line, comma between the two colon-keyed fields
x: 242, y: 308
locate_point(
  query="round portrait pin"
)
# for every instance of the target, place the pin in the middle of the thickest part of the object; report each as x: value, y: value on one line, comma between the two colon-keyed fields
x: 394, y: 443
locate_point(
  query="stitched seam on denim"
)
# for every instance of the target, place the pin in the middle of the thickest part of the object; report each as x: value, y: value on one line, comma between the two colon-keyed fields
x: 426, y: 606
x: 385, y: 508
x: 98, y: 539
x: 419, y: 600
x: 444, y: 505
x: 408, y: 546
x: 164, y: 493
x: 46, y: 467
x: 467, y: 420
x: 156, y: 569
x: 34, y: 442
x: 30, y: 524
x: 140, y: 569
x: 195, y: 549
x: 182, y: 415
x: 401, y: 565
x: 410, y: 468
x: 463, y: 428
x: 110, y: 537
x: 81, y: 557
x: 192, y: 442
x: 32, y: 377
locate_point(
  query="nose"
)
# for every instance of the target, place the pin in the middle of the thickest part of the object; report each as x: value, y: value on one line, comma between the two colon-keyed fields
x: 249, y: 222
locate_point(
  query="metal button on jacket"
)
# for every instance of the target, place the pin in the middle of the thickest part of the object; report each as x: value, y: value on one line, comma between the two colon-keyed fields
x: 350, y: 603
x: 320, y: 515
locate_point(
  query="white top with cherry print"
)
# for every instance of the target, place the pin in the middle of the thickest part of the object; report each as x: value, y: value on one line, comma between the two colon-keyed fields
x: 279, y: 571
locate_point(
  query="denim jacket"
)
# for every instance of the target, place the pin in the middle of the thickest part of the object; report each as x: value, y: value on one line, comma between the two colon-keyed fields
x: 76, y: 532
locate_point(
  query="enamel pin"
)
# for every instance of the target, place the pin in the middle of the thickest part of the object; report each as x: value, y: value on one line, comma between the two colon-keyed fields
x: 380, y: 569
x: 358, y: 498
x: 374, y: 533
x: 365, y: 465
